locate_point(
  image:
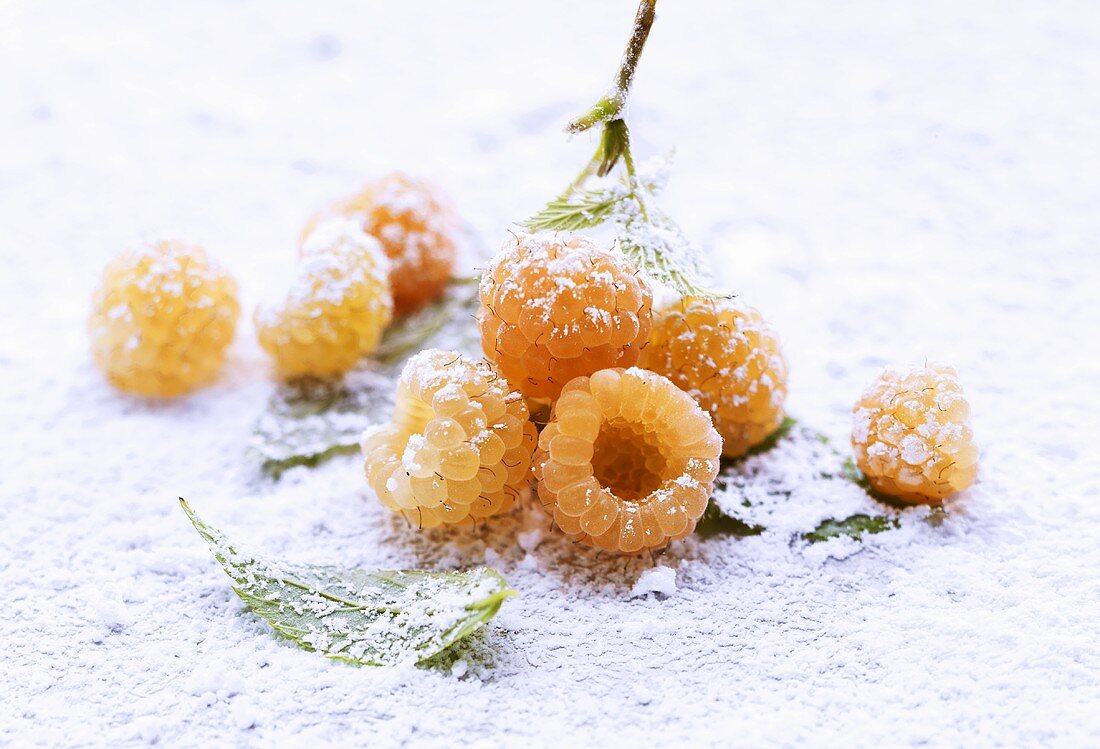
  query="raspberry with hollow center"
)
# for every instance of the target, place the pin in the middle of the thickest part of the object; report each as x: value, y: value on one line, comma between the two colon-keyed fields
x: 911, y: 434
x: 162, y: 318
x: 337, y: 308
x: 728, y: 358
x: 418, y: 227
x: 556, y: 308
x: 627, y: 461
x: 459, y: 445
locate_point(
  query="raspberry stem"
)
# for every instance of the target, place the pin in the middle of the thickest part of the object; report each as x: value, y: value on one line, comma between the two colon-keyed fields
x: 615, y: 137
x: 611, y: 104
x: 646, y: 235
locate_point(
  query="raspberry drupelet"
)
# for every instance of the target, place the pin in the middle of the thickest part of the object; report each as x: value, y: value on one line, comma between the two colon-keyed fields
x: 728, y: 358
x: 162, y: 318
x: 911, y: 435
x: 627, y: 461
x: 418, y: 227
x: 459, y: 445
x: 554, y: 308
x: 336, y: 309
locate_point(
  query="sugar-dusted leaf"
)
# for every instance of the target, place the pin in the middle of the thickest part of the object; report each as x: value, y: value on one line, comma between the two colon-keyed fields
x: 649, y: 236
x: 781, y: 431
x: 850, y: 472
x: 662, y: 253
x: 854, y: 526
x: 715, y: 522
x: 308, y: 422
x: 379, y: 618
x: 448, y: 319
x: 718, y: 522
x: 574, y: 211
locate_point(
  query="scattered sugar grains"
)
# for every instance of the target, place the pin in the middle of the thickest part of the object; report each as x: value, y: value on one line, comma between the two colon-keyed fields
x: 728, y: 358
x: 554, y: 308
x: 417, y: 226
x: 627, y: 461
x: 336, y: 309
x: 459, y: 445
x: 911, y: 437
x: 162, y: 318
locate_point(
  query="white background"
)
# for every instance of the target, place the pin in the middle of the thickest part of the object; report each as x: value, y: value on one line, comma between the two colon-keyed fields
x: 888, y: 182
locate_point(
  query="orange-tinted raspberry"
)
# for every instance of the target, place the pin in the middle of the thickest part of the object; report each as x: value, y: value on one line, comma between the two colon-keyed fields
x: 162, y: 318
x: 911, y: 435
x: 728, y: 358
x: 459, y: 446
x: 418, y: 227
x: 627, y: 461
x: 337, y: 308
x: 555, y: 308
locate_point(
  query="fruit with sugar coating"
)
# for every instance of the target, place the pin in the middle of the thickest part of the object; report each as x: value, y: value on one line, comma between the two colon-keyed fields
x: 336, y: 309
x: 162, y: 318
x: 724, y: 354
x: 459, y: 445
x: 627, y: 462
x: 911, y: 434
x: 554, y: 308
x: 418, y: 227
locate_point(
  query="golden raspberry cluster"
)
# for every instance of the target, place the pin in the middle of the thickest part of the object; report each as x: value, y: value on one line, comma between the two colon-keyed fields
x: 459, y: 445
x: 418, y: 228
x: 911, y: 437
x: 728, y: 358
x: 337, y: 308
x: 162, y: 318
x: 555, y: 308
x: 627, y: 461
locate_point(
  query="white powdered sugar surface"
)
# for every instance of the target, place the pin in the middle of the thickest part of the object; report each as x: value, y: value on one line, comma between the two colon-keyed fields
x: 888, y: 183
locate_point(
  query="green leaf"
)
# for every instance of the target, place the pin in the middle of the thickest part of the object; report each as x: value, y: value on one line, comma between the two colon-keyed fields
x: 852, y: 527
x: 657, y: 245
x: 768, y: 485
x: 449, y: 319
x: 717, y: 523
x: 850, y: 471
x: 309, y: 421
x: 379, y: 618
x: 574, y: 211
x: 715, y: 520
x: 781, y: 432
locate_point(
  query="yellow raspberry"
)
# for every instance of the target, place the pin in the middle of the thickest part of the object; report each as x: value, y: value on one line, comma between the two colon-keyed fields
x: 337, y: 308
x: 627, y: 461
x: 418, y: 227
x: 911, y: 435
x: 555, y: 308
x: 728, y: 359
x: 459, y: 446
x: 162, y: 318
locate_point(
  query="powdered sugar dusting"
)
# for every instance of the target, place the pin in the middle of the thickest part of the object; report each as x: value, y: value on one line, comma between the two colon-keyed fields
x: 894, y: 181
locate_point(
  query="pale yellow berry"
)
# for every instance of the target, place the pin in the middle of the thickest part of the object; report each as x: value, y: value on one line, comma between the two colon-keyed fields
x: 336, y: 309
x: 911, y: 435
x: 627, y: 461
x: 459, y: 445
x: 162, y: 318
x: 418, y: 227
x: 728, y: 358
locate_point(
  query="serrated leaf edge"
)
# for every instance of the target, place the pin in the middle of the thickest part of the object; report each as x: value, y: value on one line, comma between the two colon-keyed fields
x: 486, y: 608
